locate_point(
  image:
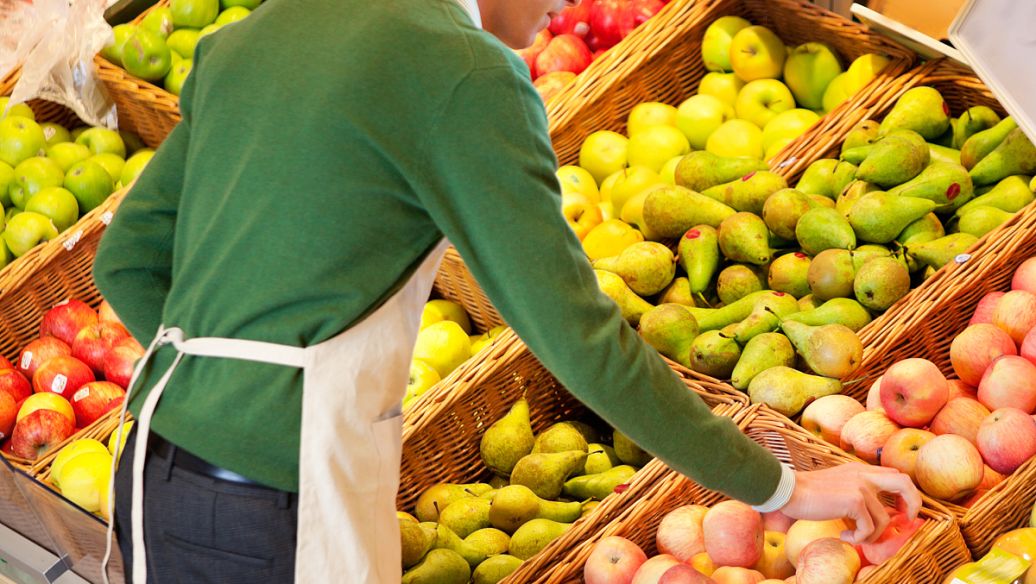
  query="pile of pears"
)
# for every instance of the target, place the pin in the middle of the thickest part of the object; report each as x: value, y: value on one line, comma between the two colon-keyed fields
x: 540, y: 485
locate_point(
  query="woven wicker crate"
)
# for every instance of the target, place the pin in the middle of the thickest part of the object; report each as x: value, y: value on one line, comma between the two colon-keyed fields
x: 934, y: 550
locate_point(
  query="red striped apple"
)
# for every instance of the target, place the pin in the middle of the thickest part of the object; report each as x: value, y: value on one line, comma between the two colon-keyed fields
x: 960, y: 389
x: 14, y: 384
x: 736, y: 575
x: 976, y: 347
x: 865, y: 433
x: 826, y: 416
x: 573, y: 20
x: 40, y: 431
x: 62, y: 375
x: 1016, y: 313
x: 803, y: 532
x: 684, y: 574
x: 961, y: 416
x: 38, y: 351
x: 1007, y: 439
x: 551, y: 84
x: 1028, y: 349
x: 985, y: 308
x: 105, y: 313
x: 898, y: 531
x: 874, y: 396
x: 565, y: 52
x: 827, y: 561
x: 94, y: 399
x: 8, y: 414
x: 93, y: 343
x: 1009, y: 382
x: 949, y: 467
x: 119, y: 363
x: 990, y: 479
x: 46, y: 401
x: 530, y: 53
x: 651, y: 570
x: 913, y: 391
x: 733, y: 534
x: 66, y: 319
x: 680, y: 532
x: 900, y: 450
x: 614, y: 560
x: 1025, y: 276
x: 777, y: 521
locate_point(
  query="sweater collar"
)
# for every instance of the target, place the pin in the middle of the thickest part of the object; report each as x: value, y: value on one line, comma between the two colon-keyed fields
x: 471, y: 7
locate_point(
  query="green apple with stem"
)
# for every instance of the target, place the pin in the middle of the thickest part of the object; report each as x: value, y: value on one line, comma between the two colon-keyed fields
x: 787, y: 126
x: 699, y: 116
x: 194, y: 13
x: 177, y: 76
x: 715, y: 44
x: 90, y: 184
x: 649, y: 113
x: 33, y: 175
x: 183, y: 41
x: 113, y: 51
x: 603, y: 153
x: 630, y: 182
x: 56, y: 203
x: 159, y: 20
x: 808, y: 70
x: 135, y: 165
x: 724, y: 86
x: 249, y: 4
x: 65, y: 154
x: 736, y: 138
x: 55, y: 133
x: 422, y: 378
x: 100, y: 140
x: 145, y: 55
x: 26, y: 230
x: 20, y: 138
x: 110, y: 162
x: 762, y: 99
x: 18, y: 109
x: 653, y: 146
x: 232, y: 15
x: 757, y: 53
x: 837, y: 92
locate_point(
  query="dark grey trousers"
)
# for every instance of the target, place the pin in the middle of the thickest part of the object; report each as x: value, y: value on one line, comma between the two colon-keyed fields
x: 201, y: 530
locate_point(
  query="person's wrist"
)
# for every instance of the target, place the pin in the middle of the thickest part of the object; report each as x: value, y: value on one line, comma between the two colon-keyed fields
x: 782, y: 494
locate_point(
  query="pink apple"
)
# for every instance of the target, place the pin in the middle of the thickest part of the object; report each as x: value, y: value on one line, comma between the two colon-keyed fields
x: 684, y: 574
x: 874, y: 396
x: 990, y: 479
x: 1007, y: 439
x: 565, y: 52
x: 827, y: 561
x: 1028, y: 349
x: 530, y: 53
x: 93, y: 343
x: 976, y: 347
x: 680, y: 532
x: 949, y: 467
x: 895, y: 536
x: 651, y: 571
x: 614, y: 560
x: 551, y: 84
x: 1009, y: 382
x: 63, y: 375
x: 66, y: 319
x: 985, y: 308
x: 913, y: 391
x: 119, y: 363
x: 803, y: 532
x: 14, y: 384
x: 8, y: 414
x: 961, y: 416
x: 38, y: 351
x: 900, y: 450
x: 960, y: 389
x: 1016, y: 314
x: 94, y: 399
x: 733, y: 534
x: 865, y: 433
x: 825, y: 417
x: 776, y: 521
x: 1025, y: 276
x: 105, y: 313
x: 38, y: 432
x: 736, y: 575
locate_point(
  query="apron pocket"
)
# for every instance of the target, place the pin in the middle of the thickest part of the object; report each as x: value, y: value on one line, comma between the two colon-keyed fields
x: 198, y: 563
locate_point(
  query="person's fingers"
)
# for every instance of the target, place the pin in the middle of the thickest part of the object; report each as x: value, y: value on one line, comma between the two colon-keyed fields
x: 871, y: 469
x: 879, y: 516
x: 901, y: 485
x: 859, y: 513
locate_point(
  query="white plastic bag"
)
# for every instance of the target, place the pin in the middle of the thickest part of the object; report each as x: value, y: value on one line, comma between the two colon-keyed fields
x: 56, y: 41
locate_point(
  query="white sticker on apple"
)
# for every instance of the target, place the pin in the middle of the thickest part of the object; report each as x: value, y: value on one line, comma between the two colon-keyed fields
x: 81, y: 394
x: 26, y: 360
x: 59, y: 383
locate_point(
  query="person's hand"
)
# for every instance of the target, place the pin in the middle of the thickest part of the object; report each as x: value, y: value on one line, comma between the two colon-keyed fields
x: 851, y: 491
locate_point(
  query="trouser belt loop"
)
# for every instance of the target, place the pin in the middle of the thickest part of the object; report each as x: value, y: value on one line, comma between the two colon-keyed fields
x: 168, y: 463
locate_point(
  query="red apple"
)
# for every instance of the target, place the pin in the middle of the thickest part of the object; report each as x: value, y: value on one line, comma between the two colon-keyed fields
x: 62, y: 375
x: 66, y: 319
x: 93, y: 343
x: 1016, y: 314
x: 961, y: 416
x: 651, y: 571
x: 825, y: 417
x: 960, y: 389
x: 990, y: 479
x: 913, y: 391
x: 614, y: 560
x: 865, y: 433
x: 1007, y: 439
x: 1028, y: 349
x: 968, y: 502
x: 1009, y: 382
x: 118, y: 365
x: 827, y: 561
x: 38, y: 432
x: 8, y: 414
x: 680, y: 532
x: 611, y: 21
x: 895, y: 536
x: 874, y: 396
x: 985, y: 308
x: 736, y: 575
x: 684, y: 574
x: 551, y: 84
x: 530, y: 53
x: 644, y: 10
x: 900, y: 450
x: 733, y: 534
x: 949, y: 467
x: 565, y: 52
x: 573, y: 20
x: 5, y: 364
x: 38, y: 351
x: 94, y: 399
x: 1025, y: 276
x: 777, y: 521
x: 14, y: 384
x: 105, y: 313
x: 976, y: 347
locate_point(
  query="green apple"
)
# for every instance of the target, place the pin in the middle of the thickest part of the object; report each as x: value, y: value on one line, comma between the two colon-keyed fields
x: 6, y: 180
x: 110, y: 162
x: 56, y: 203
x: 10, y: 212
x: 232, y: 15
x: 864, y: 69
x: 724, y: 86
x: 422, y: 378
x: 602, y: 153
x: 757, y: 53
x: 194, y: 13
x: 55, y: 133
x: 131, y: 141
x: 653, y: 146
x: 135, y: 164
x: 27, y: 230
x: 249, y: 4
x: 788, y: 126
x: 668, y: 172
x: 20, y: 138
x: 762, y: 99
x: 159, y: 21
x: 100, y: 140
x: 808, y: 70
x: 90, y: 184
x: 631, y: 181
x: 715, y: 45
x: 5, y: 254
x: 776, y: 148
x: 33, y: 175
x: 207, y: 30
x: 736, y: 138
x: 700, y: 115
x: 146, y: 55
x: 18, y: 109
x: 837, y: 91
x: 113, y: 51
x: 183, y: 41
x: 649, y: 113
x: 177, y: 76
x: 78, y: 131
x: 65, y: 154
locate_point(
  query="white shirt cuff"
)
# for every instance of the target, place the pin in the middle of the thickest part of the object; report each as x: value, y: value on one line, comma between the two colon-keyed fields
x: 783, y: 493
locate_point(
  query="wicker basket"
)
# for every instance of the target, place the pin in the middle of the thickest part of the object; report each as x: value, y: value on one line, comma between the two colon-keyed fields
x: 933, y: 551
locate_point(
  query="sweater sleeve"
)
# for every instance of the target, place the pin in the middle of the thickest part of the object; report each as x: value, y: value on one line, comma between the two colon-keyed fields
x: 488, y: 183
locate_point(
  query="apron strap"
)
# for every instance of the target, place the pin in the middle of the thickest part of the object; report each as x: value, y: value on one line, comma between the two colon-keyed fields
x: 238, y: 349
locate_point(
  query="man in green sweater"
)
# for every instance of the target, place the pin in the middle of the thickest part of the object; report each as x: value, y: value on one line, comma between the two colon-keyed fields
x: 282, y: 242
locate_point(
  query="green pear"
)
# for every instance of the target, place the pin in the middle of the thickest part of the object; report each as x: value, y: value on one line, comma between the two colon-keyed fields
x: 439, y: 566
x: 415, y: 540
x: 818, y: 178
x: 466, y: 516
x: 788, y: 391
x: 545, y: 472
x: 698, y: 252
x: 926, y: 228
x: 939, y: 252
x: 782, y: 210
x: 852, y: 193
x: 508, y: 439
x: 631, y: 306
x: 647, y: 267
x: 895, y: 159
x: 437, y: 497
x: 714, y: 354
x: 1015, y: 155
x: 765, y: 316
x: 761, y: 353
x: 938, y: 153
x: 881, y: 282
x: 535, y: 535
x: 489, y: 541
x: 598, y: 486
x: 865, y: 252
x: 669, y: 211
x: 736, y: 282
x: 628, y: 451
x: 601, y: 457
x: 945, y: 139
x: 862, y: 134
x: 679, y: 292
x: 788, y: 274
x: 831, y: 274
x: 973, y: 121
x: 445, y: 539
x: 590, y: 434
x: 701, y: 169
x: 717, y: 318
x: 844, y: 173
x: 921, y: 109
x: 807, y: 303
x: 497, y: 481
x: 831, y: 350
x: 879, y: 217
x: 748, y: 193
x: 743, y: 237
x: 670, y: 329
x: 495, y: 569
x: 979, y: 221
x: 844, y: 311
x: 822, y: 228
x: 513, y: 506
x: 948, y: 185
x: 561, y: 437
x: 1011, y: 194
x: 980, y: 144
x: 857, y: 154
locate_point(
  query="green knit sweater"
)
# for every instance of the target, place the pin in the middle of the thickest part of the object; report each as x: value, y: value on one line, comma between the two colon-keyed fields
x: 326, y: 146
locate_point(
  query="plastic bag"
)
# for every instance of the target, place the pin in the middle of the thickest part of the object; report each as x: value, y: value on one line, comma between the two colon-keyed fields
x: 56, y: 41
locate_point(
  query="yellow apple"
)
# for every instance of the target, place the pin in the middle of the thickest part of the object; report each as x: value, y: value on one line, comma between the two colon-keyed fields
x: 703, y: 563
x: 444, y: 345
x: 608, y: 184
x: 736, y: 138
x: 715, y: 43
x: 439, y: 310
x: 837, y: 91
x: 761, y: 100
x: 631, y: 182
x: 864, y: 69
x: 757, y: 53
x: 607, y: 210
x: 668, y: 172
x: 774, y: 561
x: 776, y: 147
x: 125, y: 434
x: 647, y: 114
x: 580, y: 213
x: 85, y: 477
x: 46, y: 401
x: 603, y: 153
x: 699, y: 116
x: 654, y: 145
x: 422, y: 378
x: 803, y: 532
x: 724, y: 86
x: 575, y: 179
x: 71, y: 451
x: 633, y: 213
x: 1020, y: 542
x: 788, y: 125
x: 609, y: 239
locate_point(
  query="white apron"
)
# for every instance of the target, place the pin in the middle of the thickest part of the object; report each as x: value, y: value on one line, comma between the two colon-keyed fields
x: 351, y: 436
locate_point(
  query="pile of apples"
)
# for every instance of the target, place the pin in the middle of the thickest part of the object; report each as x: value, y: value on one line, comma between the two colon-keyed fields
x: 50, y: 176
x: 578, y: 35
x: 82, y: 471
x: 730, y: 543
x: 956, y: 438
x: 161, y: 47
x: 62, y: 382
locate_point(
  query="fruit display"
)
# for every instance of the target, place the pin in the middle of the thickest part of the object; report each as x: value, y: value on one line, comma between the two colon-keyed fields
x: 160, y: 47
x: 81, y: 471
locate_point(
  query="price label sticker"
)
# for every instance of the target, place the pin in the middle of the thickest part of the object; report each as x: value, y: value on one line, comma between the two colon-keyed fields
x: 59, y: 383
x: 962, y: 258
x: 81, y: 394
x: 26, y: 360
